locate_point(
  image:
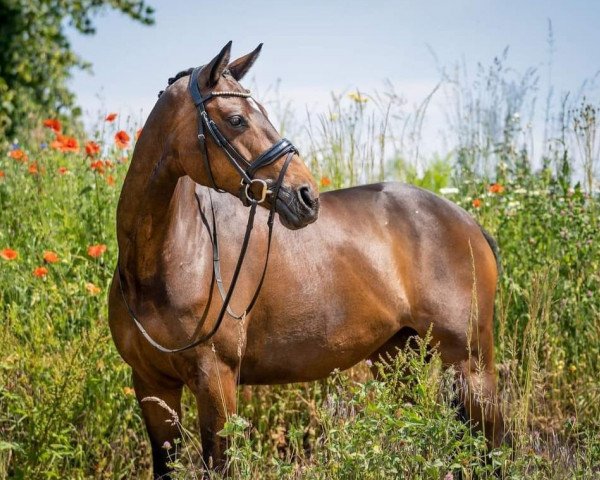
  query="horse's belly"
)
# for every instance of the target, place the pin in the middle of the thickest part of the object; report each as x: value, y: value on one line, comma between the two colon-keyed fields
x: 298, y: 352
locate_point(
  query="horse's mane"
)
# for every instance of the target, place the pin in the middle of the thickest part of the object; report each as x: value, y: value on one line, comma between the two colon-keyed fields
x: 172, y: 80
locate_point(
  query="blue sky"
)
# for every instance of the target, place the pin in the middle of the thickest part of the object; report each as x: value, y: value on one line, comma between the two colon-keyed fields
x: 315, y: 47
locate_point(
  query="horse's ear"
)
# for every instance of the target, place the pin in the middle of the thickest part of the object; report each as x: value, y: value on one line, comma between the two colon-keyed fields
x: 240, y: 67
x: 217, y: 65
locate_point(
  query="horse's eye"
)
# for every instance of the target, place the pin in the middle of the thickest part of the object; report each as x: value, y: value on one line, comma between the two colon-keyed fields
x: 235, y: 121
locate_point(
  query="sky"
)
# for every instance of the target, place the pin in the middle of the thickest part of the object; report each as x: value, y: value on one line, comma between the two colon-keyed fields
x: 315, y: 47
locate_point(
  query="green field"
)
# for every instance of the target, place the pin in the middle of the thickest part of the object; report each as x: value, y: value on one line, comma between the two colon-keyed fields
x: 67, y: 409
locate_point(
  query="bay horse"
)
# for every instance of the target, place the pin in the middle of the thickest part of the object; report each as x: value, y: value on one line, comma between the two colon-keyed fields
x: 382, y: 262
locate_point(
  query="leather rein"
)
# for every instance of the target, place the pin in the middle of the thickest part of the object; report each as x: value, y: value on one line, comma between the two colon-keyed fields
x: 246, y: 171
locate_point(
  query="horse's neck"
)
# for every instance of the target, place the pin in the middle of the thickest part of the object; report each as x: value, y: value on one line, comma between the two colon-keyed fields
x: 157, y: 211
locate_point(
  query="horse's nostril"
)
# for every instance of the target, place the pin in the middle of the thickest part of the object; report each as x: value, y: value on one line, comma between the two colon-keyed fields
x: 306, y: 196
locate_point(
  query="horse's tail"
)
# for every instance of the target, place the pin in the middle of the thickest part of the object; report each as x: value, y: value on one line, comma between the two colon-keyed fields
x: 494, y: 246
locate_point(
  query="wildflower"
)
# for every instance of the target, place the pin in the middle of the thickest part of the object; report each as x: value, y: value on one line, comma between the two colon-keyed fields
x: 9, y: 254
x: 108, y: 164
x: 448, y: 190
x: 2, y: 174
x: 111, y: 117
x: 70, y: 144
x: 137, y: 134
x: 122, y: 139
x: 97, y: 166
x: 65, y: 144
x: 110, y: 181
x: 92, y: 289
x: 496, y: 188
x: 17, y: 154
x: 128, y: 391
x: 62, y: 170
x: 357, y: 97
x: 50, y: 256
x: 33, y: 169
x: 167, y: 445
x: 477, y: 202
x: 325, y: 181
x: 368, y: 363
x: 573, y: 368
x: 40, y: 272
x: 53, y: 124
x: 57, y: 143
x: 96, y: 251
x: 92, y: 148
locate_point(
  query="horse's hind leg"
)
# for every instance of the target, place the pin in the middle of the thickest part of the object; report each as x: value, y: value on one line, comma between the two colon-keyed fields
x: 161, y: 408
x: 476, y: 382
x: 388, y: 351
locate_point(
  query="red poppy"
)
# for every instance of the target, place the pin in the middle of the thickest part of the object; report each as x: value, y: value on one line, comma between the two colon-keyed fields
x: 50, y: 256
x: 477, y: 203
x: 111, y: 117
x: 33, y: 169
x: 325, y: 181
x: 122, y: 139
x: 18, y: 154
x: 96, y: 251
x: 92, y: 148
x: 9, y: 254
x: 53, y: 124
x: 2, y: 174
x: 65, y: 144
x: 110, y: 181
x: 70, y: 144
x: 62, y: 170
x: 40, y: 272
x: 496, y: 188
x: 97, y: 166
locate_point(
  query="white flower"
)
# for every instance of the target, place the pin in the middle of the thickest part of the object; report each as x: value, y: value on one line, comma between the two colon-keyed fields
x: 448, y: 190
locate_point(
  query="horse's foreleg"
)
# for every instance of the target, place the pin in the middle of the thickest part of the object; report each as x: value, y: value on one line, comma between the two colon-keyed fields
x: 161, y: 408
x: 215, y: 394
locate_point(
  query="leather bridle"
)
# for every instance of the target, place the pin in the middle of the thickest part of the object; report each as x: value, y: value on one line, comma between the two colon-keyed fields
x: 246, y: 171
x: 245, y: 168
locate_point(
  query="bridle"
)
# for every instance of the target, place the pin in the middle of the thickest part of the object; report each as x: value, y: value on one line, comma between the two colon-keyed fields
x: 246, y: 171
x: 245, y: 168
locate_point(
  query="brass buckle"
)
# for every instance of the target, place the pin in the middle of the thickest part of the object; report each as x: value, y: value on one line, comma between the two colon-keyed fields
x: 265, y: 190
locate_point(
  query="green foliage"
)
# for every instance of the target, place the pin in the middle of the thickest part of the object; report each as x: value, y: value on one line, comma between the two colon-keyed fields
x: 36, y: 58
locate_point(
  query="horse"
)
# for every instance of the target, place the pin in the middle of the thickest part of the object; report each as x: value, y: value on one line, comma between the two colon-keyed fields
x: 352, y: 274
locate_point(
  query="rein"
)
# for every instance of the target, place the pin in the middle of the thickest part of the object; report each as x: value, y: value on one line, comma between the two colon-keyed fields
x: 246, y: 170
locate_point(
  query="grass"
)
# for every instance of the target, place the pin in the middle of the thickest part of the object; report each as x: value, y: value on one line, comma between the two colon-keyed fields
x: 67, y: 409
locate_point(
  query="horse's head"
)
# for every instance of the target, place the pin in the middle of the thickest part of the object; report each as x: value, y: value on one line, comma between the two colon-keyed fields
x: 226, y: 141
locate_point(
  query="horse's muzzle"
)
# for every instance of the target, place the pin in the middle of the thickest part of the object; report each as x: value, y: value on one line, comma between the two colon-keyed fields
x: 297, y: 207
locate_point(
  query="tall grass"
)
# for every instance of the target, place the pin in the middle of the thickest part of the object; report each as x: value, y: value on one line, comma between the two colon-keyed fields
x: 67, y: 409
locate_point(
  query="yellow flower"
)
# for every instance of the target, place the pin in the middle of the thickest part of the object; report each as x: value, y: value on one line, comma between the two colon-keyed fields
x: 128, y: 391
x: 357, y: 97
x: 572, y: 368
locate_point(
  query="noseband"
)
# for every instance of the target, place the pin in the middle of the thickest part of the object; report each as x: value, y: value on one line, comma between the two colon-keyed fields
x: 246, y: 171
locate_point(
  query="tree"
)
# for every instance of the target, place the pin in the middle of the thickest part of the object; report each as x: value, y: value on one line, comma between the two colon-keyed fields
x: 36, y: 58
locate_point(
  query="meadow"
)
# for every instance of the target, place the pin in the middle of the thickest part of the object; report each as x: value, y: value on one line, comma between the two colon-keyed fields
x: 67, y: 407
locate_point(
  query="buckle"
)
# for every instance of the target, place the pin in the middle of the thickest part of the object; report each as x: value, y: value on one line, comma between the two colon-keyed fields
x: 263, y: 195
